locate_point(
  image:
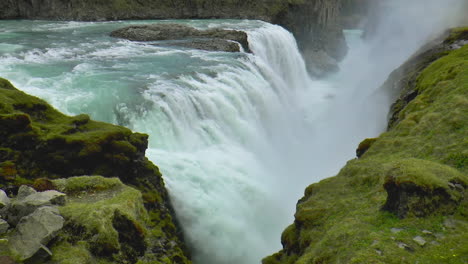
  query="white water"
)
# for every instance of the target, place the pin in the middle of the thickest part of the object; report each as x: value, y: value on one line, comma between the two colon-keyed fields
x: 237, y: 136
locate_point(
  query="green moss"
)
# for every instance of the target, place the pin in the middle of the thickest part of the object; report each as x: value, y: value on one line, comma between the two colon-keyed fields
x: 340, y: 219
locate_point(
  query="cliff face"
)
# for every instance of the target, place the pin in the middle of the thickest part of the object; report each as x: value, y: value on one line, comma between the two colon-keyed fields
x: 405, y: 199
x: 38, y: 144
x: 314, y: 23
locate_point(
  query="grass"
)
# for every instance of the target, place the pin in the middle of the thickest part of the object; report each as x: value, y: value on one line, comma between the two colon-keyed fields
x: 340, y: 219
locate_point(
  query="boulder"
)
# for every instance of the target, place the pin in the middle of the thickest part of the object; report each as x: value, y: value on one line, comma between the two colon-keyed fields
x: 4, y: 200
x: 3, y: 226
x: 211, y: 39
x: 25, y: 191
x: 34, y: 231
x: 23, y: 206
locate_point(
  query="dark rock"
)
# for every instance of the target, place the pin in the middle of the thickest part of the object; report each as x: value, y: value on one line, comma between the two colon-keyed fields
x: 34, y: 231
x: 211, y: 39
x: 206, y: 44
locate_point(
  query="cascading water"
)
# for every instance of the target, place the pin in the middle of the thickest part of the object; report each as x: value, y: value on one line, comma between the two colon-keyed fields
x: 238, y: 136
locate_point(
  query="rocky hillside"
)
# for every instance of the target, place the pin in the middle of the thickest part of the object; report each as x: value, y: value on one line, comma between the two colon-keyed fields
x: 314, y: 23
x: 41, y: 147
x: 404, y: 200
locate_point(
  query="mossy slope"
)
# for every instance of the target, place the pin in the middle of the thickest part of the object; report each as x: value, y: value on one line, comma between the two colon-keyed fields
x: 410, y: 182
x: 37, y: 141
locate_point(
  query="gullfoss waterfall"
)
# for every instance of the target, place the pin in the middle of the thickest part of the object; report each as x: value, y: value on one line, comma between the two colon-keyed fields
x: 237, y: 136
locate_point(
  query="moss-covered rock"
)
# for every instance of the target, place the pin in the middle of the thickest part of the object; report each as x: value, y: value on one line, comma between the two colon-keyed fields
x: 106, y: 221
x: 405, y: 199
x: 40, y: 144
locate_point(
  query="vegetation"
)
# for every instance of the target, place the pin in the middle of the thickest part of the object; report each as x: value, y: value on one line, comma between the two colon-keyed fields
x: 405, y: 199
x: 38, y: 144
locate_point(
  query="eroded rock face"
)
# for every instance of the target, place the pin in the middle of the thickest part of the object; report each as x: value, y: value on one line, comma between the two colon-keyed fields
x: 212, y: 39
x: 34, y: 231
x: 415, y: 188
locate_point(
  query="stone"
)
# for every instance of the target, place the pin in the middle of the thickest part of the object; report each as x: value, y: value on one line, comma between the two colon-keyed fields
x: 396, y: 230
x: 421, y: 241
x: 3, y: 226
x: 211, y: 39
x: 450, y: 223
x: 24, y: 206
x: 25, y: 191
x: 4, y: 200
x: 405, y: 246
x: 427, y: 232
x: 34, y: 231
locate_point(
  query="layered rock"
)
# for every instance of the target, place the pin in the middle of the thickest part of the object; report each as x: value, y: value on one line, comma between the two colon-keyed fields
x: 39, y: 144
x: 314, y: 23
x: 186, y: 36
x: 405, y: 199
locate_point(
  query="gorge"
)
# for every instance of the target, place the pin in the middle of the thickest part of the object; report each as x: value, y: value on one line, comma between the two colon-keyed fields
x: 237, y: 136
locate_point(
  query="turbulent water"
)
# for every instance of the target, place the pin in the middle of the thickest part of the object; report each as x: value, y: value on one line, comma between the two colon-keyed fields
x: 237, y: 136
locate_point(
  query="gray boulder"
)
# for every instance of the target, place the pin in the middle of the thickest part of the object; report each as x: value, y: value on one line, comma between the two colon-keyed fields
x: 3, y: 226
x: 211, y: 39
x: 34, y: 231
x: 24, y: 191
x: 25, y: 205
x: 4, y: 200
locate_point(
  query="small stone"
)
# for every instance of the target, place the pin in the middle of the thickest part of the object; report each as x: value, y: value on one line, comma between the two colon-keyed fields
x: 435, y: 243
x: 3, y: 226
x: 374, y: 243
x: 378, y: 252
x: 396, y: 230
x: 427, y: 232
x: 4, y: 200
x: 439, y: 236
x: 449, y: 223
x: 24, y: 191
x: 404, y: 246
x: 419, y: 240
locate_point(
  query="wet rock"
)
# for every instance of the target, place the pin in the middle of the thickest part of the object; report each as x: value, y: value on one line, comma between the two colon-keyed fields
x: 4, y: 200
x: 211, y: 39
x: 421, y: 241
x: 3, y: 227
x: 23, y: 206
x: 206, y: 44
x: 34, y: 231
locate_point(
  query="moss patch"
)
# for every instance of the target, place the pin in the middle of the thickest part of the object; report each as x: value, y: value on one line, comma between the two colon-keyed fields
x: 351, y: 218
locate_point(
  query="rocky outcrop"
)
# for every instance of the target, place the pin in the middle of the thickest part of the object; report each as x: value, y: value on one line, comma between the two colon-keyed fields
x: 186, y: 36
x: 314, y: 23
x: 405, y: 199
x: 39, y: 144
x: 33, y: 221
